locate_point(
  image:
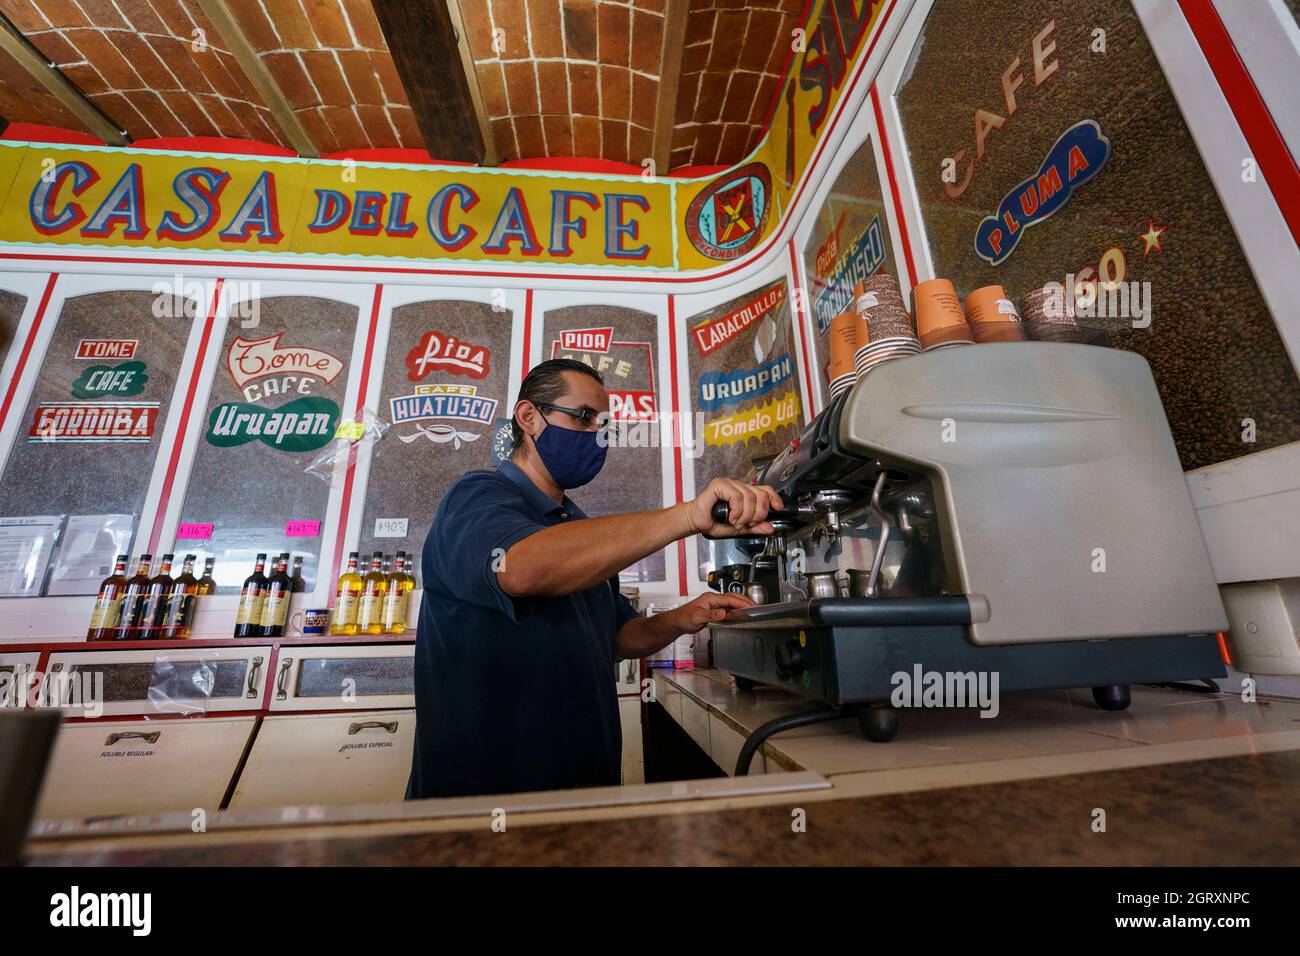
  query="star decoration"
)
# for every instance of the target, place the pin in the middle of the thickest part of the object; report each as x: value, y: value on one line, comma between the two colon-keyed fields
x: 1152, y: 238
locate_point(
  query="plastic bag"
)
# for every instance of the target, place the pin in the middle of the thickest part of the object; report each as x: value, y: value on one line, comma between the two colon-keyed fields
x: 349, y: 438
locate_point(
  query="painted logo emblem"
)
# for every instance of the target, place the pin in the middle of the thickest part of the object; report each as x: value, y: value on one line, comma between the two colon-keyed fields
x: 303, y: 424
x: 439, y: 352
x: 107, y: 348
x: 443, y: 403
x: 100, y: 380
x: 587, y: 340
x: 741, y: 385
x: 863, y: 259
x: 94, y: 421
x: 726, y: 220
x: 1076, y: 156
x: 250, y: 359
x: 715, y: 333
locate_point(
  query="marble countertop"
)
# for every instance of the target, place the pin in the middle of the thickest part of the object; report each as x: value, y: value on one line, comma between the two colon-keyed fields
x: 1183, y: 778
x: 1230, y: 811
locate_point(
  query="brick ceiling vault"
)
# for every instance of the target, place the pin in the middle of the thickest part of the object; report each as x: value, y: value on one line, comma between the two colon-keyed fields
x: 552, y: 78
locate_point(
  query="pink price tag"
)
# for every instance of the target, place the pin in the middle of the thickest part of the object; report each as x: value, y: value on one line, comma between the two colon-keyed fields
x: 194, y: 532
x: 301, y: 529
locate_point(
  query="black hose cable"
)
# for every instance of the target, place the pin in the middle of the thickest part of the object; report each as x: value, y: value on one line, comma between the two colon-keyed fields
x: 788, y: 722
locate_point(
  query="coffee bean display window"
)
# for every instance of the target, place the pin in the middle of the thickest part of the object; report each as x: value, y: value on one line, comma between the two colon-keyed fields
x: 421, y: 455
x: 849, y: 241
x: 251, y: 488
x: 69, y: 470
x: 991, y: 87
x: 628, y: 360
x: 11, y: 312
x: 741, y: 417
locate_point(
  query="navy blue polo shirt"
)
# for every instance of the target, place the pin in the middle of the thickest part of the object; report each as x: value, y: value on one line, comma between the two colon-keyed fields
x: 511, y: 694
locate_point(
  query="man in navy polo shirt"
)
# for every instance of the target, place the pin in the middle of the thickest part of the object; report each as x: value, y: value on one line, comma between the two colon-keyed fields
x: 522, y: 622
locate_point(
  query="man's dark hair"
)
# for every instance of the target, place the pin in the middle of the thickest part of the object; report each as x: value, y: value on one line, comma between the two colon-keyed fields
x: 545, y: 383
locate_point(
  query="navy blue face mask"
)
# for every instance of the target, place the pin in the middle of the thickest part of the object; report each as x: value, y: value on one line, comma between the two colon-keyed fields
x: 572, y: 457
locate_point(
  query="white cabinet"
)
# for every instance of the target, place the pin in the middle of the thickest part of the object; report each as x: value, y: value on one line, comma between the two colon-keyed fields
x: 17, y: 672
x: 190, y: 680
x: 629, y: 716
x: 344, y: 677
x: 324, y: 759
x: 142, y: 766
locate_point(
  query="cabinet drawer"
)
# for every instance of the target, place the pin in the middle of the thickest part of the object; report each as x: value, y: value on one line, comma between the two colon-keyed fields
x: 350, y: 677
x: 324, y: 759
x: 141, y: 766
x: 200, y: 680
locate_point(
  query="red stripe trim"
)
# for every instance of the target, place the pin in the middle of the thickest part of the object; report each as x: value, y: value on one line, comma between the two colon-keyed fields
x: 364, y: 384
x: 1252, y: 114
x: 181, y: 429
x: 801, y: 316
x: 677, y: 436
x: 528, y: 336
x: 893, y: 184
x: 1223, y: 648
x: 27, y: 346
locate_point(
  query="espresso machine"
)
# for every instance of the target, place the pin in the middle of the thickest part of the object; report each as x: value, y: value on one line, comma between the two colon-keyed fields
x: 1016, y: 508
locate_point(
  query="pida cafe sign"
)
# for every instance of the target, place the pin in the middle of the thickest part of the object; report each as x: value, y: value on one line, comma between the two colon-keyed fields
x: 265, y: 368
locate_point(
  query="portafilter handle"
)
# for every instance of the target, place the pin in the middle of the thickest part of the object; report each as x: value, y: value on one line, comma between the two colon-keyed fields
x: 721, y: 513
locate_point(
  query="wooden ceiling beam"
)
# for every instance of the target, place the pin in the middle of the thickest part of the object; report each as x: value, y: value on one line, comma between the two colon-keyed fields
x: 435, y: 72
x: 670, y: 73
x: 490, y: 157
x: 245, y: 54
x: 60, y: 87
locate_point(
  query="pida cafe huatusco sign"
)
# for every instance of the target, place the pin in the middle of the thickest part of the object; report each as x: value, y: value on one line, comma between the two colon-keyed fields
x: 81, y: 196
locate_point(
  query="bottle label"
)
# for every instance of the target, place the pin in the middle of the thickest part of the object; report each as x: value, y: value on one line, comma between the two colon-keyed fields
x: 369, y: 610
x: 107, y: 608
x: 394, y: 608
x: 275, y: 610
x: 346, y: 611
x: 180, y: 610
x: 250, y: 607
x: 132, y: 606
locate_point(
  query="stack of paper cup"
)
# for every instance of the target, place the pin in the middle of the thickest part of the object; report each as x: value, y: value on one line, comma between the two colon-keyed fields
x: 843, y: 336
x: 992, y: 316
x: 939, y: 318
x: 886, y: 327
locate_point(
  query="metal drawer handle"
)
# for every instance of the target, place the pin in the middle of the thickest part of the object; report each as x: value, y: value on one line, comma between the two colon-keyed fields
x: 389, y: 726
x: 254, y: 670
x: 149, y: 738
x: 282, y: 681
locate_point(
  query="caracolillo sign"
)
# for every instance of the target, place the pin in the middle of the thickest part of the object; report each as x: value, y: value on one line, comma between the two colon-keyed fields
x: 303, y: 424
x: 1076, y: 156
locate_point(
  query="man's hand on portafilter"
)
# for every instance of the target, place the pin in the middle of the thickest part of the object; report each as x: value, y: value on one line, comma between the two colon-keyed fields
x: 747, y: 505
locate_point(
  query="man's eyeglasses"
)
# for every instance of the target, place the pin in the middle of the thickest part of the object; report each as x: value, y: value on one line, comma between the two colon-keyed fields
x: 588, y: 417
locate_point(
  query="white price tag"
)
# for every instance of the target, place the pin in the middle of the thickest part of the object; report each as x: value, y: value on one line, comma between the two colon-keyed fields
x: 390, y: 527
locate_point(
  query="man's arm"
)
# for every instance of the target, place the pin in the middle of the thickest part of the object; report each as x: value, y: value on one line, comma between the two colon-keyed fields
x: 645, y: 635
x: 577, y: 555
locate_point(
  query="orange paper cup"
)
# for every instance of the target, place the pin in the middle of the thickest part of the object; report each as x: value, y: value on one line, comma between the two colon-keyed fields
x: 936, y: 306
x: 990, y: 304
x: 951, y: 333
x: 843, y: 337
x: 997, y: 331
